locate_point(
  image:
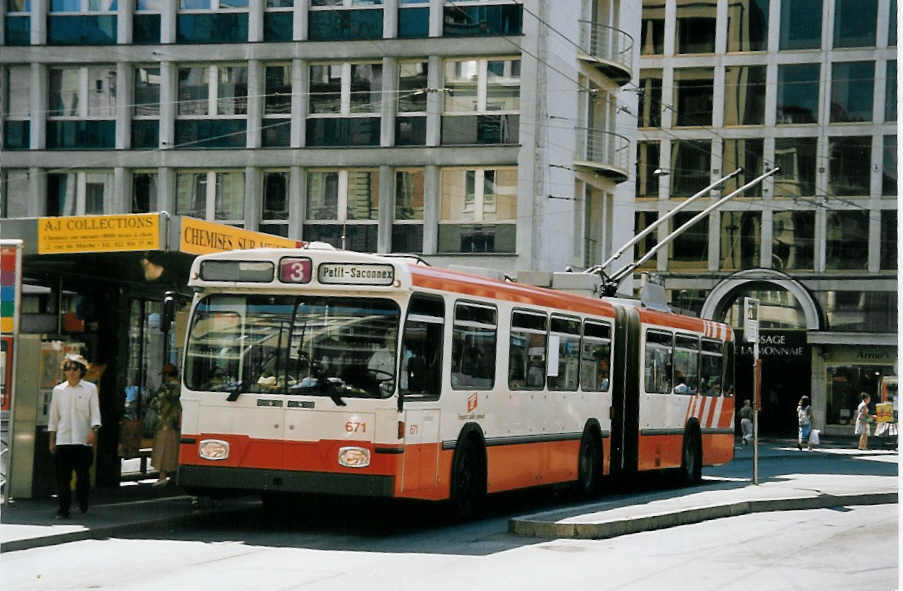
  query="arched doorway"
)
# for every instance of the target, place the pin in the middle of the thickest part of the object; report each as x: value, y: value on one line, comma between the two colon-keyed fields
x: 786, y: 313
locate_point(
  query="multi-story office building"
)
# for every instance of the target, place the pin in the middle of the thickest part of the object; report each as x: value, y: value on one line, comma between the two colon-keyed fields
x: 809, y: 86
x: 475, y: 132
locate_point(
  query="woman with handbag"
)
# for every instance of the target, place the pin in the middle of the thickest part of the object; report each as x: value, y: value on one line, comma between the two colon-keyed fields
x: 863, y: 418
x: 165, y: 402
x: 806, y: 423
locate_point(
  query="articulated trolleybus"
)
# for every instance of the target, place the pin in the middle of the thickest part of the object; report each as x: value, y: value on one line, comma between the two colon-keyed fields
x: 317, y: 370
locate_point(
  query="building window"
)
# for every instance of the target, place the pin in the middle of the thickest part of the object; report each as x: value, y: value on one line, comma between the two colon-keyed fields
x: 747, y: 26
x: 82, y: 107
x: 413, y: 18
x: 345, y: 20
x: 17, y: 24
x: 213, y: 104
x: 82, y: 22
x: 15, y: 90
x: 478, y: 210
x: 748, y: 155
x: 410, y: 121
x: 689, y: 250
x: 892, y: 25
x: 343, y: 208
x: 855, y: 23
x: 695, y: 26
x: 801, y: 24
x: 744, y: 95
x: 851, y: 161
x: 741, y: 233
x: 889, y: 239
x: 653, y: 33
x: 278, y: 20
x: 797, y: 159
x: 407, y: 225
x: 798, y: 93
x: 890, y: 93
x: 146, y: 109
x: 650, y: 99
x: 693, y: 92
x: 277, y: 106
x: 144, y: 191
x: 859, y: 311
x: 793, y: 245
x: 852, y: 86
x: 274, y: 202
x: 78, y: 193
x: 641, y: 221
x: 212, y: 21
x: 647, y: 162
x: 691, y: 165
x: 146, y: 21
x: 889, y: 168
x: 482, y: 101
x: 473, y: 18
x: 344, y: 104
x: 211, y: 195
x: 847, y: 240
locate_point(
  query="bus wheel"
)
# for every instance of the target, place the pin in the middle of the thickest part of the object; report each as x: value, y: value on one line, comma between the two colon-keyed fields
x: 589, y: 467
x: 691, y: 458
x: 468, y: 486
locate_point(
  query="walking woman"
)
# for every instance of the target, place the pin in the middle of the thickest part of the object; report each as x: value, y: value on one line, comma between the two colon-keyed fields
x: 166, y: 403
x: 806, y: 423
x: 863, y: 418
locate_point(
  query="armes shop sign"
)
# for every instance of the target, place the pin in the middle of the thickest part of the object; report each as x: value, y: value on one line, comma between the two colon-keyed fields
x: 789, y: 344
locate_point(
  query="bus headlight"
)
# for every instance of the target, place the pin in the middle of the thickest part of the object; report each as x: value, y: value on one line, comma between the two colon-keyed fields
x: 213, y: 449
x: 354, y: 457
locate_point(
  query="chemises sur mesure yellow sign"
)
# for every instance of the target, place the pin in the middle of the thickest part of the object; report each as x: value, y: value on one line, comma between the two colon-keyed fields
x: 98, y: 233
x: 200, y: 237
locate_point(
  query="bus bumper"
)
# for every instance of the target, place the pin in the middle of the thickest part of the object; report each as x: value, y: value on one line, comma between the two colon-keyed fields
x: 247, y: 480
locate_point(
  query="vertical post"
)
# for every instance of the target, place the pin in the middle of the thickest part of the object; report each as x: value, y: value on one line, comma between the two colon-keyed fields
x: 751, y: 335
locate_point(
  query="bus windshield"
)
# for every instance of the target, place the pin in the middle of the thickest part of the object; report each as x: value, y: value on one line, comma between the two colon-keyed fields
x: 325, y: 346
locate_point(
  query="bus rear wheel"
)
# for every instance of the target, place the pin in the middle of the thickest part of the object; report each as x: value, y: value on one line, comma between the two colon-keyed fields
x: 691, y: 458
x: 589, y: 467
x: 468, y: 483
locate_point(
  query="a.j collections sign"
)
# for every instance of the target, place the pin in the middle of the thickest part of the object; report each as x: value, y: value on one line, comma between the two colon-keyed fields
x: 200, y: 237
x: 98, y: 233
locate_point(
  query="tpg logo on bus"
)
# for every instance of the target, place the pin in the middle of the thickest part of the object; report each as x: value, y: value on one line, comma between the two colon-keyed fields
x: 356, y: 274
x: 472, y: 402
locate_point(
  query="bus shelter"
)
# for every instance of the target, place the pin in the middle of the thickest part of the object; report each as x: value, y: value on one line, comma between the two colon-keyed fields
x: 113, y: 288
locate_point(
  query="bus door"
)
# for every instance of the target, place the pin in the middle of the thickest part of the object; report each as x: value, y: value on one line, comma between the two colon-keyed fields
x: 625, y: 392
x: 420, y: 382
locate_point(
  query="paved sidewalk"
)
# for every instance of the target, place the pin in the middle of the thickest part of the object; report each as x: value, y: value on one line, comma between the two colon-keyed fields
x: 725, y: 495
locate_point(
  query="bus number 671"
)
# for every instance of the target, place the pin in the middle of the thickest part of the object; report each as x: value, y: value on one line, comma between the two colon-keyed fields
x: 355, y: 426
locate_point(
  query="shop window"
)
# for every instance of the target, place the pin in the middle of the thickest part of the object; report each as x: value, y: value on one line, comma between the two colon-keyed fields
x: 482, y: 102
x: 78, y: 193
x: 855, y: 23
x: 17, y: 23
x: 478, y: 210
x: 407, y: 227
x: 274, y: 203
x: 15, y: 86
x: 411, y: 104
x: 527, y: 350
x: 845, y: 383
x: 850, y: 165
x: 212, y: 108
x: 413, y: 19
x: 744, y: 95
x: 146, y: 21
x: 693, y: 92
x: 852, y: 88
x: 652, y: 36
x: 649, y: 108
x: 345, y: 20
x: 797, y: 159
x: 695, y: 26
x: 647, y: 162
x: 798, y: 86
x: 801, y: 24
x: 144, y: 191
x: 641, y: 221
x: 211, y: 195
x: 847, y: 240
x: 463, y: 18
x: 690, y: 250
x: 889, y: 239
x: 890, y: 93
x: 747, y: 26
x: 343, y: 208
x: 748, y: 155
x: 793, y: 246
x: 889, y: 167
x: 691, y: 163
x: 212, y: 21
x: 741, y: 233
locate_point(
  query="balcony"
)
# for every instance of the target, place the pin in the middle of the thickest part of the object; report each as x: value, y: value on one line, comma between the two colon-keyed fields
x: 608, y: 49
x: 603, y: 153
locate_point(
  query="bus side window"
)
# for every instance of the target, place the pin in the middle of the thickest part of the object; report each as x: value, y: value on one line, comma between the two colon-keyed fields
x: 421, y: 348
x: 657, y: 362
x: 711, y: 369
x: 473, y: 346
x: 686, y: 364
x: 527, y: 350
x: 596, y: 347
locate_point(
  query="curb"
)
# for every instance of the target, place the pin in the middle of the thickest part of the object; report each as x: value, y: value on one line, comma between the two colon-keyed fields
x: 115, y: 530
x: 533, y: 527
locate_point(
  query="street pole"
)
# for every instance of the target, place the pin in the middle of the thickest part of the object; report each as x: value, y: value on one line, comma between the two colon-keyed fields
x: 751, y: 335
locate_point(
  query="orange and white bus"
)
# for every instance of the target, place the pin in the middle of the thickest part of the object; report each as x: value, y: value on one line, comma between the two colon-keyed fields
x: 325, y: 371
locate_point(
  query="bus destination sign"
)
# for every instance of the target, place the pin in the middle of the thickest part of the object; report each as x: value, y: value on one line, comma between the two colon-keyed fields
x: 356, y: 274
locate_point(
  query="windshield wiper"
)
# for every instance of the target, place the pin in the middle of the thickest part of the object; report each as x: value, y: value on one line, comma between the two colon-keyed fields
x: 329, y: 386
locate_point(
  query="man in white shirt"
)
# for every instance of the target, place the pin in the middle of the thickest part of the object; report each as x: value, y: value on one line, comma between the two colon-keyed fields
x: 73, y: 424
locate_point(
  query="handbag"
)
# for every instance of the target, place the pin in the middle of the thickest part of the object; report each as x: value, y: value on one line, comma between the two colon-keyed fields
x: 813, y: 437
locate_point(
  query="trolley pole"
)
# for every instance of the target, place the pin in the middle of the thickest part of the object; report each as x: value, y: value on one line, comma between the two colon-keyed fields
x: 751, y: 335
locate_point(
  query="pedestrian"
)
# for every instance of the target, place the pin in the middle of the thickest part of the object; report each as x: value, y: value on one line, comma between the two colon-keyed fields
x: 863, y: 418
x: 746, y: 422
x: 73, y: 423
x: 165, y: 402
x: 806, y: 423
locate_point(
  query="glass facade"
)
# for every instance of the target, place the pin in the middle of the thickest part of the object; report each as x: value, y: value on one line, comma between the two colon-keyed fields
x: 650, y: 99
x: 850, y: 165
x: 888, y: 254
x: 744, y: 95
x: 748, y: 155
x: 852, y: 86
x: 801, y: 24
x: 740, y: 240
x: 477, y: 210
x: 652, y: 36
x: 793, y: 246
x: 690, y: 250
x: 889, y: 166
x: 847, y: 240
x: 693, y: 96
x: 798, y: 86
x: 855, y: 23
x: 747, y: 25
x: 797, y: 158
x: 691, y: 165
x: 695, y: 31
x: 647, y: 162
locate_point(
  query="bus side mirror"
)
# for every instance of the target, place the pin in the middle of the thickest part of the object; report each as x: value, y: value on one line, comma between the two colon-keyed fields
x: 169, y: 310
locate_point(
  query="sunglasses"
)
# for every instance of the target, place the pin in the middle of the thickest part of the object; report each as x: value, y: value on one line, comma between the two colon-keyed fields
x: 70, y: 367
